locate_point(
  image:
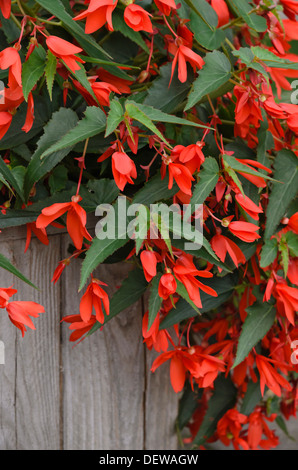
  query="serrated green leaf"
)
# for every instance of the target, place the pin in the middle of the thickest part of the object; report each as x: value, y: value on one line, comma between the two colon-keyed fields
x: 92, y: 124
x: 283, y: 191
x: 33, y: 69
x: 154, y: 302
x: 59, y: 125
x: 244, y: 9
x: 203, y: 23
x: 268, y: 252
x: 162, y: 96
x: 209, y: 175
x: 215, y: 73
x: 9, y: 176
x: 115, y: 116
x: 103, y: 246
x: 260, y: 318
x: 50, y: 72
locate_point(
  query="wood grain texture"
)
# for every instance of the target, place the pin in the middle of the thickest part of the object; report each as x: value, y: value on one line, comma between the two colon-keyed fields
x: 37, y: 354
x: 103, y: 389
x: 161, y: 407
x: 8, y: 335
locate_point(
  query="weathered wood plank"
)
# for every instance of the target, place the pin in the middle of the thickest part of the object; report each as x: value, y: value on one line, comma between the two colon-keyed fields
x: 38, y: 353
x: 104, y: 375
x: 161, y: 408
x: 8, y: 370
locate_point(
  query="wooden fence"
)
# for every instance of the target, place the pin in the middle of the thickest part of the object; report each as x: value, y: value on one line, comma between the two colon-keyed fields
x: 99, y: 394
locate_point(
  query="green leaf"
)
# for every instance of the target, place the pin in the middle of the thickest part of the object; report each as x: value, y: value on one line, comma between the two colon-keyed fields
x: 292, y: 242
x: 283, y: 191
x: 15, y: 218
x: 115, y: 116
x: 243, y: 9
x: 181, y: 290
x: 203, y: 23
x: 59, y: 125
x: 256, y: 56
x: 154, y: 302
x: 236, y: 165
x: 268, y: 253
x: 260, y: 318
x: 215, y: 73
x: 135, y: 36
x: 251, y: 398
x: 146, y: 115
x: 223, y: 399
x: 58, y: 179
x: 209, y: 175
x: 182, y: 311
x: 92, y: 124
x: 162, y: 96
x: 6, y: 264
x: 132, y: 288
x: 9, y: 176
x: 159, y: 116
x: 104, y: 245
x: 33, y: 69
x: 155, y: 190
x: 187, y: 405
x: 50, y: 72
x: 103, y: 191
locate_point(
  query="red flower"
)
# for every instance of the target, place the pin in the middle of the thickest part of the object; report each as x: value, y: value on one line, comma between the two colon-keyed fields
x: 181, y: 362
x: 30, y: 114
x: 154, y: 338
x: 269, y: 376
x: 120, y: 83
x: 97, y: 14
x: 59, y: 270
x: 229, y: 428
x: 149, y: 262
x: 94, y: 297
x: 19, y: 312
x: 181, y: 175
x: 244, y: 230
x: 65, y: 51
x: 257, y: 427
x: 40, y: 233
x: 102, y: 92
x: 182, y: 56
x: 288, y: 296
x: 5, y: 7
x: 249, y: 206
x: 165, y: 6
x: 222, y: 11
x: 186, y: 272
x: 10, y: 59
x: 5, y: 121
x: 167, y: 286
x: 75, y: 221
x: 137, y: 18
x: 123, y: 169
x: 80, y: 327
x: 222, y: 245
